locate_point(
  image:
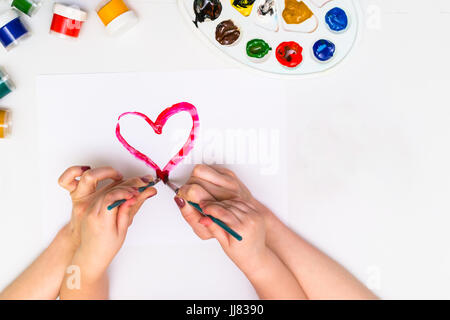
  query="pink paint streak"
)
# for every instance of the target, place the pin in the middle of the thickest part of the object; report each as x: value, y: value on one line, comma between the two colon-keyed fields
x: 158, y: 127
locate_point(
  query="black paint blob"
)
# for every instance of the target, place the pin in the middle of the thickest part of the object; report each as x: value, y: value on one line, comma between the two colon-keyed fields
x: 206, y: 9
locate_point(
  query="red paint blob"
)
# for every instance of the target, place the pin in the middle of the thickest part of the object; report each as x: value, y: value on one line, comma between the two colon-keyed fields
x: 289, y: 54
x: 66, y: 26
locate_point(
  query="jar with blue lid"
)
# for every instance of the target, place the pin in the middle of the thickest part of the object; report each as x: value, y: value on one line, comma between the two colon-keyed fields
x: 12, y: 29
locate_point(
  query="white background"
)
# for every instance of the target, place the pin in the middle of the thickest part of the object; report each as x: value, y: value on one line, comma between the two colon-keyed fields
x: 369, y: 155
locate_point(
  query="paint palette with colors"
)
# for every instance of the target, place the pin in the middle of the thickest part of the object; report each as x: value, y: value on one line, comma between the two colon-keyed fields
x: 287, y: 38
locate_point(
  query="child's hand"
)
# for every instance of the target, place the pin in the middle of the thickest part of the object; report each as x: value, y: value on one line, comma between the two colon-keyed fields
x: 251, y: 252
x: 211, y: 183
x: 81, y: 182
x: 103, y: 231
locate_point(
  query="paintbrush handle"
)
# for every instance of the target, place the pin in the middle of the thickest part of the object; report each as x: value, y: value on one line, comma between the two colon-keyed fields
x: 116, y: 204
x: 141, y: 189
x: 223, y: 225
x: 219, y: 222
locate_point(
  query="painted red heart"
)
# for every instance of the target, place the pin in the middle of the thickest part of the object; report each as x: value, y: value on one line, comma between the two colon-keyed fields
x: 157, y: 126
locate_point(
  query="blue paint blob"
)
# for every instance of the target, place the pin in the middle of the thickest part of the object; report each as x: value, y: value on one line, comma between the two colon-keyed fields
x: 324, y: 50
x: 336, y: 19
x: 12, y: 31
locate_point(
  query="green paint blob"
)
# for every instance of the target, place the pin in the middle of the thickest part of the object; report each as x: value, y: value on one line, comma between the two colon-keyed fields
x: 257, y: 48
x: 26, y: 6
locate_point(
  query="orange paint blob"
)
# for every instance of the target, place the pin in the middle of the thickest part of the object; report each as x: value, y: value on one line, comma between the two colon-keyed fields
x: 296, y: 12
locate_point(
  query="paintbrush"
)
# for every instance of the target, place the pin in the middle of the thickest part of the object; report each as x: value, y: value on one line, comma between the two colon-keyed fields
x: 141, y: 189
x: 196, y: 206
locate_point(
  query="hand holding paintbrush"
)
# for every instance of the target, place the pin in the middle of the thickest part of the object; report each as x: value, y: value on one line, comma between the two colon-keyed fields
x: 196, y: 206
x: 193, y: 204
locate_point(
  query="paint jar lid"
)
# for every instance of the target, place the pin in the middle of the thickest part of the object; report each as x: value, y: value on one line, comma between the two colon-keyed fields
x: 8, y: 16
x: 69, y: 12
x: 4, y: 78
x: 5, y: 123
x: 122, y: 23
x: 28, y: 7
x: 101, y: 4
x: 111, y: 10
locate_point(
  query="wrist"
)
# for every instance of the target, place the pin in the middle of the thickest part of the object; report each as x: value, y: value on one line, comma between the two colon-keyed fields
x: 90, y: 270
x: 66, y: 235
x: 262, y: 267
x: 253, y: 266
x: 274, y: 226
x: 267, y: 214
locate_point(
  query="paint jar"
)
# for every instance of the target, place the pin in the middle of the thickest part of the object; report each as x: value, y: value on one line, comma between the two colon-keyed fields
x: 116, y: 16
x: 67, y: 21
x: 6, y: 85
x: 28, y: 7
x: 5, y: 123
x: 12, y: 29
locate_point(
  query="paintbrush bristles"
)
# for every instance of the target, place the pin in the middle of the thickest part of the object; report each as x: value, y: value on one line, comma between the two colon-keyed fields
x: 172, y: 186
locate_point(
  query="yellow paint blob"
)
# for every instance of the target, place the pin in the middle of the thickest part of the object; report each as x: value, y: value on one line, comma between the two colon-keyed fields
x: 296, y: 12
x: 112, y: 10
x: 243, y: 6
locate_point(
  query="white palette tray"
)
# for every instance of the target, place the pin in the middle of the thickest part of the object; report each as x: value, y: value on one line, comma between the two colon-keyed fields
x: 343, y: 41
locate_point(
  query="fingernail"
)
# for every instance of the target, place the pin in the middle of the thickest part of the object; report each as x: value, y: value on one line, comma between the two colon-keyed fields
x: 180, y: 202
x: 145, y: 179
x: 85, y: 168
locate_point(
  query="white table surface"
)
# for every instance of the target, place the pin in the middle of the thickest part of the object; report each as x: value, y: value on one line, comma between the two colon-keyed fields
x: 369, y: 159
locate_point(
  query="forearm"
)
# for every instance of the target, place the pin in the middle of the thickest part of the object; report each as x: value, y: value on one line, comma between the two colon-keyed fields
x: 43, y: 278
x: 273, y: 280
x: 84, y: 283
x: 320, y: 276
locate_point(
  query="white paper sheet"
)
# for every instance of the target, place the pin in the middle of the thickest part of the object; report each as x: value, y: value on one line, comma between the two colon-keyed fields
x: 242, y: 125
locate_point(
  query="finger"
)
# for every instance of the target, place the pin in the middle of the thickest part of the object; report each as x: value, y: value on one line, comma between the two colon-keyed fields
x: 192, y: 217
x: 218, y: 192
x: 116, y: 194
x: 217, y: 210
x: 90, y: 179
x: 208, y: 173
x: 235, y: 183
x: 238, y: 208
x: 224, y: 171
x: 68, y: 179
x: 194, y: 193
x: 137, y: 182
x: 124, y: 218
x: 143, y: 196
x: 242, y: 205
x: 216, y: 231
